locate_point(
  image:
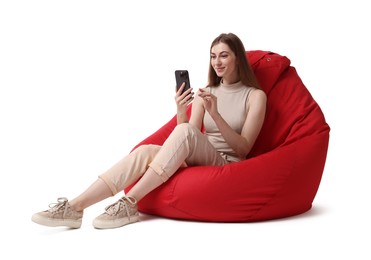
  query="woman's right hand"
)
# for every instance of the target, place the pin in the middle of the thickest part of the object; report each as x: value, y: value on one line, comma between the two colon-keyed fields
x: 183, y: 100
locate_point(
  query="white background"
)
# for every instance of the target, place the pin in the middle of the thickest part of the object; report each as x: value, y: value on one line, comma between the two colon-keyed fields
x: 82, y: 82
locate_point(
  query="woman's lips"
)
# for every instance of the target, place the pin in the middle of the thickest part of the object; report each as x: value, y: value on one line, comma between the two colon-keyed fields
x: 219, y: 70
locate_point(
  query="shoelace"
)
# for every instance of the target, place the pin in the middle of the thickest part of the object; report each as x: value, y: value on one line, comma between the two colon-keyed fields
x: 55, y: 207
x: 114, y: 208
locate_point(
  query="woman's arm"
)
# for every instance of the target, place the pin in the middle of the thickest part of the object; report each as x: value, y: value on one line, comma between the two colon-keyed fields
x: 243, y: 143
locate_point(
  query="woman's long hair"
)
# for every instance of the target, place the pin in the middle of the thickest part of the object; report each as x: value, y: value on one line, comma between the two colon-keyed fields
x: 245, y: 71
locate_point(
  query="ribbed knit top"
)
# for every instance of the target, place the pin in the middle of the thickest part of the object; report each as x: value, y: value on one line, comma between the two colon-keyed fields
x: 232, y: 106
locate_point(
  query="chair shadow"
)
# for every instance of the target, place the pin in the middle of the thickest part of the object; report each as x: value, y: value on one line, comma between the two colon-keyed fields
x: 313, y: 212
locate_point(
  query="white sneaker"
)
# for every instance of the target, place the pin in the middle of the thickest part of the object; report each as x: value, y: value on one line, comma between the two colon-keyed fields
x: 118, y: 214
x: 59, y: 214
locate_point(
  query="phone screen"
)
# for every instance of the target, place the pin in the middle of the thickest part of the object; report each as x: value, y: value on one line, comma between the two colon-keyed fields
x: 182, y: 76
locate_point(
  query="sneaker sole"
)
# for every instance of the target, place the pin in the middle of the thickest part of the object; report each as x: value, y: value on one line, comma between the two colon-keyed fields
x: 101, y: 224
x: 50, y: 222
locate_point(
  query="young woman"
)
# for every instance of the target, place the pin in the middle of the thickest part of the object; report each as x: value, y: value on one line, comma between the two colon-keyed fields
x: 231, y: 108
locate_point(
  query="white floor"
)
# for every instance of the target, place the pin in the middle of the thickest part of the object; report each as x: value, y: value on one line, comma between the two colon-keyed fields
x: 82, y: 82
x: 326, y: 232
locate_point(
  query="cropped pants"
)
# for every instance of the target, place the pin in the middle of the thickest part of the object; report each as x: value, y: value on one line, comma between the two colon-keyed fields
x: 186, y: 145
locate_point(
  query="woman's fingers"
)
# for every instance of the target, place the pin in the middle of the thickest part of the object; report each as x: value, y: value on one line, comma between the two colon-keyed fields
x: 179, y: 90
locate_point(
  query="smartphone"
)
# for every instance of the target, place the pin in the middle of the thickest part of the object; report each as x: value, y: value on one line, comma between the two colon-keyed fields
x: 180, y: 77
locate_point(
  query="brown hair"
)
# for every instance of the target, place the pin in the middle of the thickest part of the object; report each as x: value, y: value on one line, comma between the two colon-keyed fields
x: 245, y: 71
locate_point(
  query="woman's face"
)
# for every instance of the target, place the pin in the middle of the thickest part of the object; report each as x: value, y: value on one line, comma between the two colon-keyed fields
x: 223, y: 60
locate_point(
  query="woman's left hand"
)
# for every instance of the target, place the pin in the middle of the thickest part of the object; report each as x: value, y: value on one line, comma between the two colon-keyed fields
x: 182, y: 100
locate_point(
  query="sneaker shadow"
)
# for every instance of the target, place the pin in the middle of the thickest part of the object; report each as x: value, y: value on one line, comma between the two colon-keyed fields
x: 57, y: 230
x: 148, y: 217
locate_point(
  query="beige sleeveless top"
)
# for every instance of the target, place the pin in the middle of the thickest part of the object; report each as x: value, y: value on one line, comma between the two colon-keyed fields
x: 232, y: 102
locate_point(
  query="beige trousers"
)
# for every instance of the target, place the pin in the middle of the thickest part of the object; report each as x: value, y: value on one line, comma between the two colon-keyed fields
x: 185, y: 145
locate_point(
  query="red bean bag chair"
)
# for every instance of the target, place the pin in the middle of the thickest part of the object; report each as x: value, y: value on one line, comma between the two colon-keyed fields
x: 282, y: 173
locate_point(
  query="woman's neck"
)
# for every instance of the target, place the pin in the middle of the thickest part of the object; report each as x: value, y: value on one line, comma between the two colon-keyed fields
x: 225, y: 81
x: 231, y: 80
